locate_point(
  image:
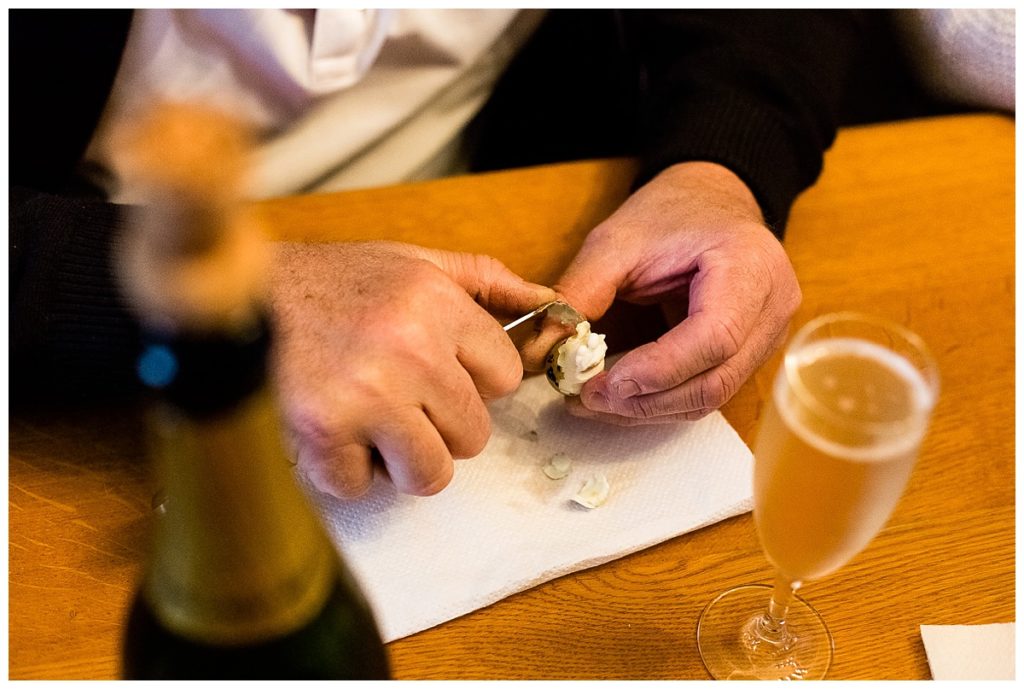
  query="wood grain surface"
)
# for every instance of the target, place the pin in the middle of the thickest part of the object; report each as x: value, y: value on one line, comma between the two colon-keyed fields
x: 913, y: 221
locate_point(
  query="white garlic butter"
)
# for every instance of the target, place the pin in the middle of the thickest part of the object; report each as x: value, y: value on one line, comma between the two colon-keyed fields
x: 577, y: 360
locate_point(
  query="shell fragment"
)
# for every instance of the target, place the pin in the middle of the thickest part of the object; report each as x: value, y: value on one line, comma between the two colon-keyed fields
x: 558, y: 466
x: 593, y: 493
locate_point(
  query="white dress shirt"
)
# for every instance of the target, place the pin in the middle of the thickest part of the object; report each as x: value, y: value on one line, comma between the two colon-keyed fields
x: 340, y: 98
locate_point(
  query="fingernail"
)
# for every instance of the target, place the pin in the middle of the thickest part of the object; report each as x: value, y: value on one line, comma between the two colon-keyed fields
x: 597, y: 402
x: 627, y: 388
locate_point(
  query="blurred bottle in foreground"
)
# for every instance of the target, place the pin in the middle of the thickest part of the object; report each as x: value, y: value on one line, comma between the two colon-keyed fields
x: 243, y: 581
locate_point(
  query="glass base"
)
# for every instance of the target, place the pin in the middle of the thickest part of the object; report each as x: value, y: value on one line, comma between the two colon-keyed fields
x: 736, y: 642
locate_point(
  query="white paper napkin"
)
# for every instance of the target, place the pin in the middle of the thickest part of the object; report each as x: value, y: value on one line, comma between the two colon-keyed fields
x: 502, y: 526
x: 970, y: 651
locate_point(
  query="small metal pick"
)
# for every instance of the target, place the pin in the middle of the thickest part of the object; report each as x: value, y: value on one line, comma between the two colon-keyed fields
x: 568, y: 314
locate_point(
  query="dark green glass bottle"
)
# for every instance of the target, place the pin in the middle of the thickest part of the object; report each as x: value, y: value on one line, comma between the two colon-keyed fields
x: 243, y: 581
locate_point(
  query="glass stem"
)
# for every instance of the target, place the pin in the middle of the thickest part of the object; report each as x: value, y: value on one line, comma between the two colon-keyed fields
x: 771, y: 627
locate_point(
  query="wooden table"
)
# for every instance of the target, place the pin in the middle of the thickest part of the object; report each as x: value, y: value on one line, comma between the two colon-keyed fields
x: 913, y: 221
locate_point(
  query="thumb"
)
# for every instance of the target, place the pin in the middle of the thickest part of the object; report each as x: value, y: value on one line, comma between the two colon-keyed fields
x: 589, y: 284
x: 593, y: 277
x: 489, y: 282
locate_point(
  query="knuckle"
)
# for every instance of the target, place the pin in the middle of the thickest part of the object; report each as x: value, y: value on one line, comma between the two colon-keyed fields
x: 314, y: 428
x: 425, y: 287
x: 718, y: 387
x: 425, y: 486
x: 350, y: 490
x: 689, y: 397
x: 395, y: 351
x: 645, y: 406
x: 321, y: 481
x: 422, y: 271
x: 334, y: 471
x: 778, y: 272
x: 711, y: 393
x: 472, y: 440
x: 487, y: 268
x: 509, y: 375
x: 367, y: 385
x: 320, y: 474
x: 727, y: 339
x: 339, y: 484
x: 403, y: 334
x: 489, y: 274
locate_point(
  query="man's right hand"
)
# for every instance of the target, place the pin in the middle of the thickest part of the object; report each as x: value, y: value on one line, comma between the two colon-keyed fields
x: 394, y: 347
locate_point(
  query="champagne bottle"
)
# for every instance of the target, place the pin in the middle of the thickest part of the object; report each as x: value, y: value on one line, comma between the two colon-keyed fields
x: 242, y: 581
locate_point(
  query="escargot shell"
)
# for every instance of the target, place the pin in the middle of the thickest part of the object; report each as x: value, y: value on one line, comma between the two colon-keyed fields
x: 575, y: 360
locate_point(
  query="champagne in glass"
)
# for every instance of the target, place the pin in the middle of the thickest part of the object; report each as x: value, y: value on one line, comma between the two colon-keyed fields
x: 835, y: 449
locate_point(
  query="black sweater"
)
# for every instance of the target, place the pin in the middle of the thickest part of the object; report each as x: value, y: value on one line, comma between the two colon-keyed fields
x: 757, y: 91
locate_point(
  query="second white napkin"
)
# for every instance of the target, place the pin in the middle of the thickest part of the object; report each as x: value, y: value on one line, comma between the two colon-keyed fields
x: 970, y: 651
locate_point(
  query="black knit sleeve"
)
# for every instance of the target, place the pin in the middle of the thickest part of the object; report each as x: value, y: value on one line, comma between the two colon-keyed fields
x: 756, y: 91
x: 72, y: 334
x: 70, y: 331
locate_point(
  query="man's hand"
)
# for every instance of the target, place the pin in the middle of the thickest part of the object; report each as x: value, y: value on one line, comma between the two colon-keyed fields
x: 693, y: 240
x: 391, y: 346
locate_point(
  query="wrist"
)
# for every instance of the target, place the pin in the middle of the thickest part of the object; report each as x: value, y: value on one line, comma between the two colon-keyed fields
x: 720, y: 187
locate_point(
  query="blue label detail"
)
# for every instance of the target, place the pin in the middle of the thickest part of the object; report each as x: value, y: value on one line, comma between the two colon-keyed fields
x: 157, y: 366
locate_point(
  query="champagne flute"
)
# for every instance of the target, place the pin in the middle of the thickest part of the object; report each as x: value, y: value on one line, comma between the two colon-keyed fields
x: 850, y: 406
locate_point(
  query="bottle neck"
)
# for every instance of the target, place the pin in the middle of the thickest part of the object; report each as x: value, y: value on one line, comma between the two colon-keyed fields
x: 238, y: 554
x: 205, y: 372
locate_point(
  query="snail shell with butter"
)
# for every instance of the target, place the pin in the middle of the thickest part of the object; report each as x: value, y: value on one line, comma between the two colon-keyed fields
x: 575, y: 360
